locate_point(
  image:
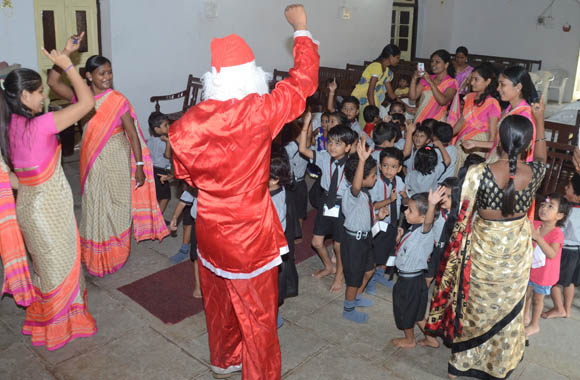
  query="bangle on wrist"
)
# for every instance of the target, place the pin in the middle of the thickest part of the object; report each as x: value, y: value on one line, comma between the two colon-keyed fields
x: 68, y: 67
x: 139, y: 163
x: 542, y: 139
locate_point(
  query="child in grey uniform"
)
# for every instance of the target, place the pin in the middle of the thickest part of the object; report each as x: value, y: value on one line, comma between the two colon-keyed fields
x: 444, y: 132
x: 413, y: 250
x: 357, y: 245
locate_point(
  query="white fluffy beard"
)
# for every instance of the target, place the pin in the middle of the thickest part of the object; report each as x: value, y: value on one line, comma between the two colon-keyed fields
x: 235, y: 82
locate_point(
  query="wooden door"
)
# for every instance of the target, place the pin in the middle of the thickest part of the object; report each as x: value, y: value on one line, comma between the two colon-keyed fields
x: 402, y: 30
x: 56, y: 20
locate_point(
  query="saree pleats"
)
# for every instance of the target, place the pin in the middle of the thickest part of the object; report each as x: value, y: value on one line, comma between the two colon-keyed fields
x: 46, y: 217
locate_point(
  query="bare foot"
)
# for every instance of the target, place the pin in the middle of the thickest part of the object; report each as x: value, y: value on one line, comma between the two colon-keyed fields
x: 451, y: 376
x: 531, y: 330
x: 428, y: 341
x: 421, y: 325
x: 403, y: 343
x: 527, y: 321
x: 196, y: 293
x: 336, y: 285
x: 554, y: 313
x: 324, y: 272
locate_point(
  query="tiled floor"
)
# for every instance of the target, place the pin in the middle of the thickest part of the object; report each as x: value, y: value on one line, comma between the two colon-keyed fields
x: 317, y: 343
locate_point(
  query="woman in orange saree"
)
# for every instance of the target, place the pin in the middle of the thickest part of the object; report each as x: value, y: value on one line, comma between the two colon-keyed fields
x: 436, y: 94
x: 117, y: 183
x: 57, y: 311
x: 480, y: 113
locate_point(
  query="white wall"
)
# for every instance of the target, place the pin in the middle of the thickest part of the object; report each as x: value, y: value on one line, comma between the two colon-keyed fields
x: 17, y: 35
x: 503, y: 28
x: 155, y: 45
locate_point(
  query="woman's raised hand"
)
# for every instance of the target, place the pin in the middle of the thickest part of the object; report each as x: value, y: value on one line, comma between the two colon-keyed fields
x: 73, y: 44
x: 538, y: 109
x: 59, y: 58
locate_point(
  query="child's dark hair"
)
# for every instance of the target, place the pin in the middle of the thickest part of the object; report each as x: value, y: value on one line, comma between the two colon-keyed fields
x: 487, y: 71
x: 370, y: 113
x: 453, y: 184
x: 472, y: 159
x: 392, y: 152
x: 350, y: 99
x: 575, y: 182
x: 343, y: 134
x: 425, y: 130
x: 280, y: 167
x: 352, y: 163
x: 16, y: 82
x: 385, y: 132
x: 421, y: 202
x: 443, y: 132
x: 428, y: 123
x: 396, y: 103
x: 446, y: 58
x: 398, y: 118
x: 155, y: 120
x: 425, y: 160
x: 515, y: 134
x: 325, y: 113
x: 342, y: 119
x: 564, y: 207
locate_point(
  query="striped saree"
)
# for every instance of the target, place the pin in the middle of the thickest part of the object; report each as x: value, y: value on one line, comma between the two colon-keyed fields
x: 12, y: 250
x: 46, y: 216
x: 110, y: 201
x: 428, y: 108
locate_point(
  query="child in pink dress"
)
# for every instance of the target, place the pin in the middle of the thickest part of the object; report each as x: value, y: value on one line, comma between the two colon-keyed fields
x: 548, y: 240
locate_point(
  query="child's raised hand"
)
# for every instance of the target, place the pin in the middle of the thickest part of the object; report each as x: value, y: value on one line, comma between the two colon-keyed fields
x: 307, y: 117
x: 410, y: 127
x: 362, y: 150
x: 58, y: 58
x: 296, y: 16
x: 73, y: 43
x: 383, y: 213
x: 538, y: 109
x: 332, y: 85
x: 436, y: 196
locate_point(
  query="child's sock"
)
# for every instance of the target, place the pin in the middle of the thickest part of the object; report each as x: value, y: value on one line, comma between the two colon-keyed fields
x: 351, y: 314
x: 381, y: 279
x: 279, y: 320
x: 359, y: 301
x: 372, y: 285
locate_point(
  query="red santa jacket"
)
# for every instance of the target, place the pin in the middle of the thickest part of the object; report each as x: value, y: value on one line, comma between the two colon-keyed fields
x: 223, y: 149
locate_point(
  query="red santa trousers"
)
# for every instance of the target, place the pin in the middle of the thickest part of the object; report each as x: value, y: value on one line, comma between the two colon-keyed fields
x: 240, y: 315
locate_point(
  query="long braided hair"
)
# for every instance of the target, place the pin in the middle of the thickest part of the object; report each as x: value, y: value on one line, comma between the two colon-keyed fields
x: 515, y: 133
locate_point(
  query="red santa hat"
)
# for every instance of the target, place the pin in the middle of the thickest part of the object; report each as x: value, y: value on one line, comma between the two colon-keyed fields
x: 230, y: 51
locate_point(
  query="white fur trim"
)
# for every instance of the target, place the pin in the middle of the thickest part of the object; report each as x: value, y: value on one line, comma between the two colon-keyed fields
x: 235, y: 82
x: 244, y: 276
x: 230, y: 369
x: 305, y: 33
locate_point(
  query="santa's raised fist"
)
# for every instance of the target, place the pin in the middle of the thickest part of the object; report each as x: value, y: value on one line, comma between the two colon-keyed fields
x: 296, y: 16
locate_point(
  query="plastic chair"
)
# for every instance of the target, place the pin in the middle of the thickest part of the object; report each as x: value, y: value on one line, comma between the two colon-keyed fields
x: 559, y: 83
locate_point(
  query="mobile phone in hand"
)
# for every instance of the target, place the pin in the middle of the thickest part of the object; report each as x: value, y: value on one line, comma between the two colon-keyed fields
x: 421, y: 68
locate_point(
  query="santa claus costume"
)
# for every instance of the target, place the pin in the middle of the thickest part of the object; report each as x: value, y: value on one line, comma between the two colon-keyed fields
x: 222, y: 147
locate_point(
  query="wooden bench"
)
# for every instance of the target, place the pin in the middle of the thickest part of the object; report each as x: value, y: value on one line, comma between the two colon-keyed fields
x: 190, y: 96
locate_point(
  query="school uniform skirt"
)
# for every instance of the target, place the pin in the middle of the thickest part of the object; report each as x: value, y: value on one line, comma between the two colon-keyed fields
x: 409, y: 300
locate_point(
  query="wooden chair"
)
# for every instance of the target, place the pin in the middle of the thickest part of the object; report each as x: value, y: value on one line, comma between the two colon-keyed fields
x: 190, y: 97
x: 562, y: 133
x: 559, y: 169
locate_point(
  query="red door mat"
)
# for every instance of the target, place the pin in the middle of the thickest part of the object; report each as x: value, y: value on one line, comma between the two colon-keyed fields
x: 168, y: 294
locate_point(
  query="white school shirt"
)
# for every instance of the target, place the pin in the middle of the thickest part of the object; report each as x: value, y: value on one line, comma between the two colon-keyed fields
x: 322, y: 160
x: 381, y: 188
x: 414, y: 249
x: 572, y: 228
x: 188, y: 198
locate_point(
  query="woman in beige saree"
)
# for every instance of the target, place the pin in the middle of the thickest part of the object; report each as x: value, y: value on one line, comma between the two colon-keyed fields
x: 480, y: 288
